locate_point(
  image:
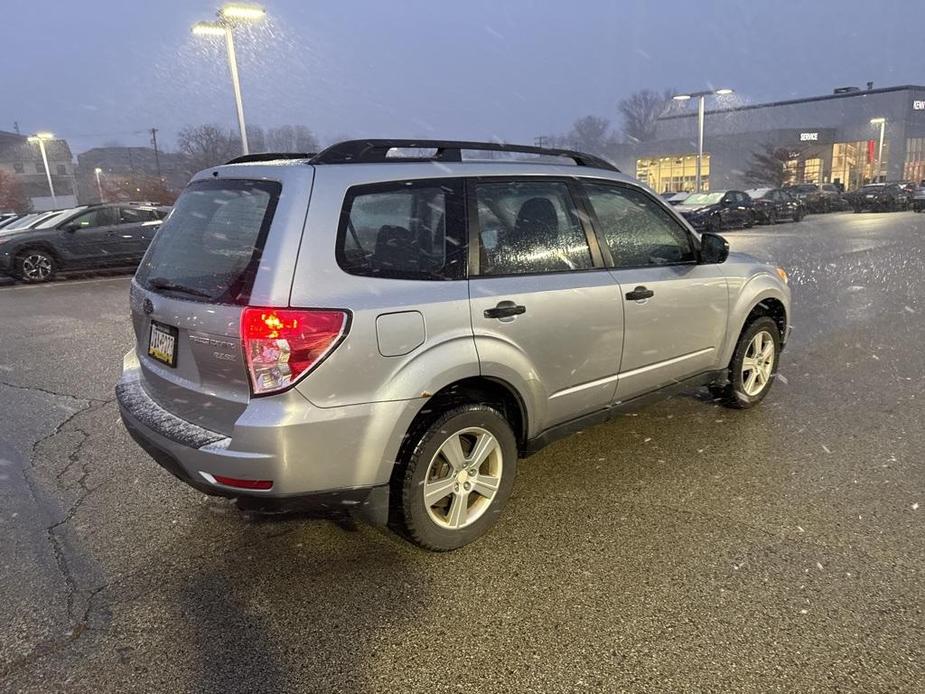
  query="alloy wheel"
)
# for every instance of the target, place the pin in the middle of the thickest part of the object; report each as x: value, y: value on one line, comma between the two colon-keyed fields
x: 463, y: 478
x: 758, y: 363
x: 36, y: 266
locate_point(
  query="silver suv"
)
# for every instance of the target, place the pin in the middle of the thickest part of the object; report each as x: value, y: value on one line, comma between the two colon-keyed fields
x: 387, y: 326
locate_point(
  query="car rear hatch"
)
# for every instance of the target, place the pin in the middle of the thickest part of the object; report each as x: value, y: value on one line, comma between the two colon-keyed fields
x: 222, y: 248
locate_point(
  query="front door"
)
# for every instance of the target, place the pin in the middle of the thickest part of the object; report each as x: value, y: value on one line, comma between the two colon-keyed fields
x: 546, y: 315
x: 674, y: 308
x: 89, y: 240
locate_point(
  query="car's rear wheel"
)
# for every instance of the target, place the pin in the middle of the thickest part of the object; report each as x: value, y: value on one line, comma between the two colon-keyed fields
x: 753, y: 365
x: 454, y: 483
x: 772, y: 217
x: 35, y: 265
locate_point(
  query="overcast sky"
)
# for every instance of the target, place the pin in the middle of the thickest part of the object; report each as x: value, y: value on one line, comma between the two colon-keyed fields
x: 97, y: 71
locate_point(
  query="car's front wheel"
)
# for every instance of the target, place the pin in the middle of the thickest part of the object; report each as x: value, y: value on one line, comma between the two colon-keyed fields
x: 753, y: 365
x: 35, y: 265
x: 454, y: 483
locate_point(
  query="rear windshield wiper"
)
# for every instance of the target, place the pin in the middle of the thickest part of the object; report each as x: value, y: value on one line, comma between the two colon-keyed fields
x: 171, y: 286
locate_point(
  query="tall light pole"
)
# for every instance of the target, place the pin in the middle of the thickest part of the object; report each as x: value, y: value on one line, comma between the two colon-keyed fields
x: 99, y: 184
x: 882, y: 123
x: 701, y: 96
x: 229, y: 16
x: 41, y: 138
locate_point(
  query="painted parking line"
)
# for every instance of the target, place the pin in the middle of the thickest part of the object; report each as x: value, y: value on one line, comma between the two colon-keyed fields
x: 64, y: 283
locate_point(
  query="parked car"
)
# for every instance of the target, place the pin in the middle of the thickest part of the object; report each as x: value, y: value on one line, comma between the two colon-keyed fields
x: 818, y: 198
x: 439, y: 350
x: 918, y: 198
x: 881, y: 197
x: 675, y: 198
x: 774, y: 205
x: 7, y: 219
x: 717, y: 210
x: 83, y: 238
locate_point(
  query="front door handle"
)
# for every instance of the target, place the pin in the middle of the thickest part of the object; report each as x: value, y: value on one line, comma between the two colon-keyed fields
x: 504, y: 309
x: 640, y: 293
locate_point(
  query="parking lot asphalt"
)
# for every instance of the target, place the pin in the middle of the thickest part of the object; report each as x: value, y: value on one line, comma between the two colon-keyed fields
x: 685, y: 547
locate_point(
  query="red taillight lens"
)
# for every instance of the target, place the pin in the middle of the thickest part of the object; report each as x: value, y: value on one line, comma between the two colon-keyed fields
x: 282, y: 344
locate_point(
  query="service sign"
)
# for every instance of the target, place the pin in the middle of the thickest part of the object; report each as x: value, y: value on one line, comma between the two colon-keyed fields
x: 918, y: 105
x: 809, y: 137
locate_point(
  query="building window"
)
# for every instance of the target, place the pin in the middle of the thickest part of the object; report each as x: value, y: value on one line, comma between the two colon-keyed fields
x: 674, y: 174
x: 812, y: 170
x: 914, y: 169
x: 18, y: 167
x: 62, y: 169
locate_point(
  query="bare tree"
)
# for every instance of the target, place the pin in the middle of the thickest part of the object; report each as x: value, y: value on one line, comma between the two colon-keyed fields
x: 291, y: 138
x: 769, y: 166
x: 12, y: 196
x: 641, y: 110
x: 256, y: 139
x: 591, y: 134
x: 138, y: 187
x: 207, y: 145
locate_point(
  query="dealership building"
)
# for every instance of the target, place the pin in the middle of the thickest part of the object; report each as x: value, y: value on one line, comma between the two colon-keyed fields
x: 826, y: 139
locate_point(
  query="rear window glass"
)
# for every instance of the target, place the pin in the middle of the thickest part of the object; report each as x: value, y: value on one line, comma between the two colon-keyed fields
x: 209, y: 247
x: 404, y: 230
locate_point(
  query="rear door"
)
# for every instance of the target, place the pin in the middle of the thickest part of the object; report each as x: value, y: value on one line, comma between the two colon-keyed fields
x: 675, y: 309
x: 546, y: 315
x: 188, y: 296
x: 88, y: 240
x: 135, y: 225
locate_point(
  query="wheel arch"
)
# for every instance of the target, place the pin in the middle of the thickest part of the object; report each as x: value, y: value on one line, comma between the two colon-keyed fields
x: 761, y: 296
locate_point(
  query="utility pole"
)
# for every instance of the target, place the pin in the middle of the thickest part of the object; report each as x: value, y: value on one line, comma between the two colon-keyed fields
x: 157, y: 157
x: 16, y: 127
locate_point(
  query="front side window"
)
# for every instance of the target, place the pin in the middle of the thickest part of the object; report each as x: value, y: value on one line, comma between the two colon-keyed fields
x: 529, y: 227
x: 404, y: 230
x: 638, y: 231
x: 100, y: 217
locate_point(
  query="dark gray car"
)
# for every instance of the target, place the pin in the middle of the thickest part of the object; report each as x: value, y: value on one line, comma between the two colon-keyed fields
x: 84, y: 238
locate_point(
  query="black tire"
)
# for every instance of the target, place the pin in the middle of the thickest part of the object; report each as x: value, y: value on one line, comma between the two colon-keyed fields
x: 797, y: 216
x: 35, y: 265
x: 733, y: 394
x: 750, y: 221
x: 772, y: 217
x: 409, y: 513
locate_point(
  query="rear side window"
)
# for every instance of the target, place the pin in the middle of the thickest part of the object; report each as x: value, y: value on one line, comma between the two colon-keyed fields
x: 529, y: 227
x: 404, y: 230
x: 638, y: 231
x: 209, y: 248
x: 100, y: 217
x: 136, y: 215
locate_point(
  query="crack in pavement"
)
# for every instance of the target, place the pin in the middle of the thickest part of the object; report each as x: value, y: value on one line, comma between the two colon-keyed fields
x: 77, y: 618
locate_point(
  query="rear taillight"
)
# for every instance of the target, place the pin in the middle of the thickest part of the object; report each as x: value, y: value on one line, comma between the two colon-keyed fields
x: 281, y: 344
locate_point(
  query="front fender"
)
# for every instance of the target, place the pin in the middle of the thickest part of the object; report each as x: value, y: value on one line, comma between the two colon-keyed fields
x: 745, y: 295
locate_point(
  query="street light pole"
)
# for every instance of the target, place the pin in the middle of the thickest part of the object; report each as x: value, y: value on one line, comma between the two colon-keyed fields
x: 229, y: 16
x: 236, y: 84
x: 700, y: 110
x: 99, y: 184
x: 701, y: 97
x: 882, y: 123
x: 40, y: 138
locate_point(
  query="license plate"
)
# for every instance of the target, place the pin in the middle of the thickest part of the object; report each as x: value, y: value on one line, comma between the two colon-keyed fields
x: 162, y: 343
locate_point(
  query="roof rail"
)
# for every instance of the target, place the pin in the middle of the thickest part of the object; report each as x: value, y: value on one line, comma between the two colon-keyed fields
x: 270, y: 156
x: 376, y: 151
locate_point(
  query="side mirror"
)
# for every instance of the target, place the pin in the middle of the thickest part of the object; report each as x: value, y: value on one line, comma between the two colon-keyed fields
x: 714, y: 249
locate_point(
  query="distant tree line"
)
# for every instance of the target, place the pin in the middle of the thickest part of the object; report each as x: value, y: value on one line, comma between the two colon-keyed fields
x: 596, y: 135
x: 209, y: 144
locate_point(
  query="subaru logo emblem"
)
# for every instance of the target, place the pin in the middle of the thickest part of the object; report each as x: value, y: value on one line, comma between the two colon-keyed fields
x: 147, y: 307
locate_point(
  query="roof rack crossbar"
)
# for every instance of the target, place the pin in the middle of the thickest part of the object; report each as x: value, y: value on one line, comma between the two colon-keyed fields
x: 270, y: 156
x: 376, y: 151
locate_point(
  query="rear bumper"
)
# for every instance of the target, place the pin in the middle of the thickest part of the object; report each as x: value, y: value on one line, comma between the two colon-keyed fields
x: 318, y: 459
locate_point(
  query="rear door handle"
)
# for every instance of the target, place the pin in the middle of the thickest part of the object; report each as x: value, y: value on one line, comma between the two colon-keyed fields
x: 504, y: 309
x: 640, y: 293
